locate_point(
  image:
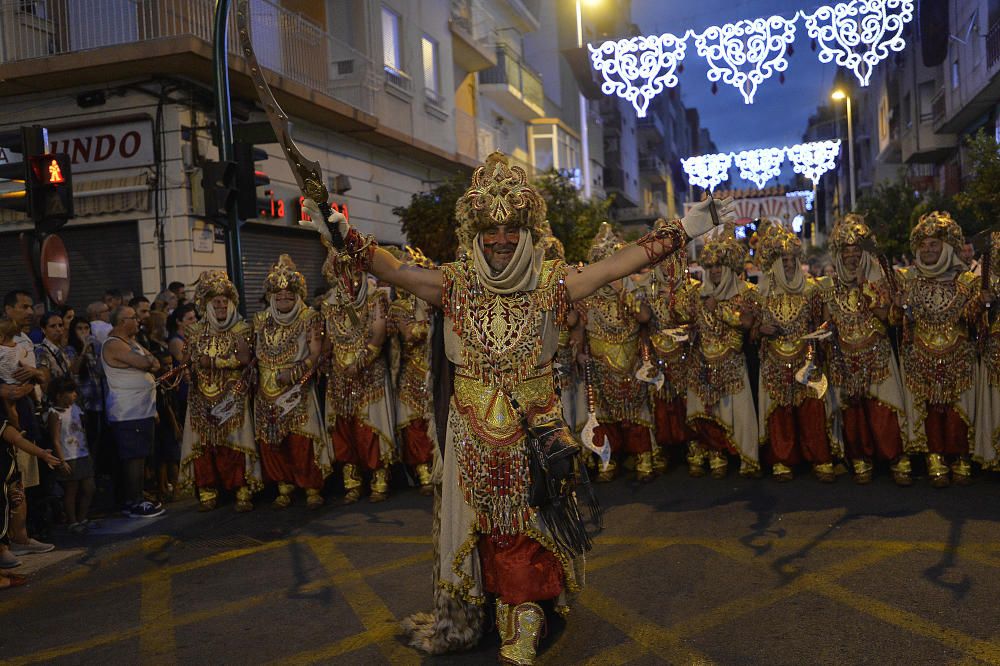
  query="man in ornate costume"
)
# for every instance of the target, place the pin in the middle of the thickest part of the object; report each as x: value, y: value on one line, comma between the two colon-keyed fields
x: 293, y: 444
x: 357, y: 412
x: 611, y: 318
x: 794, y: 415
x: 720, y: 405
x: 218, y: 448
x: 672, y: 297
x: 410, y: 320
x: 938, y: 302
x: 987, y: 451
x: 863, y: 370
x: 503, y: 307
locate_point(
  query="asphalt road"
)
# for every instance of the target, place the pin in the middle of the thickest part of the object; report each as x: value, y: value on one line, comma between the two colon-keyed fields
x: 687, y: 571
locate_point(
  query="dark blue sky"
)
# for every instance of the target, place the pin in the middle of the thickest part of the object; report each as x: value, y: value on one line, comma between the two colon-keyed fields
x: 779, y: 112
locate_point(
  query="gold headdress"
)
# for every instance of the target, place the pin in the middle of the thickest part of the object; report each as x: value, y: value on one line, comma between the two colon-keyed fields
x: 775, y: 243
x: 605, y: 243
x: 211, y: 284
x: 852, y: 230
x: 283, y: 275
x: 552, y: 246
x: 724, y: 250
x: 499, y: 194
x: 937, y: 225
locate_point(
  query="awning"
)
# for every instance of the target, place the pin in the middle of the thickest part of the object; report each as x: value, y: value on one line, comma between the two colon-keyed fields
x: 100, y: 196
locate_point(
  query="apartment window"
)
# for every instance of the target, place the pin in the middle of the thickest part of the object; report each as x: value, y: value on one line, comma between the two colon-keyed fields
x: 429, y: 49
x: 954, y: 74
x: 391, y: 47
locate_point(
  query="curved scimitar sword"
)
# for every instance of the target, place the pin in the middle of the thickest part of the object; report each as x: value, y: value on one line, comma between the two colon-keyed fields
x: 308, y: 173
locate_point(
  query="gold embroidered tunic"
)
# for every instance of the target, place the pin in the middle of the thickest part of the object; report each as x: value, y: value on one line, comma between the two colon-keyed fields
x: 672, y: 309
x: 721, y: 366
x: 938, y: 355
x: 782, y: 355
x: 862, y: 352
x: 613, y: 337
x: 350, y: 395
x: 412, y: 389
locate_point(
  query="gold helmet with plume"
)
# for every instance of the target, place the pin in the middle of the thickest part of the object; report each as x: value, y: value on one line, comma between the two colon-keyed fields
x: 722, y: 249
x: 937, y: 225
x: 211, y: 284
x: 852, y: 230
x: 499, y: 194
x: 776, y: 242
x: 605, y: 243
x: 283, y: 276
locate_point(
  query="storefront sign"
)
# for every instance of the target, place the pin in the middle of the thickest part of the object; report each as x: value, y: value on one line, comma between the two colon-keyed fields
x: 100, y: 148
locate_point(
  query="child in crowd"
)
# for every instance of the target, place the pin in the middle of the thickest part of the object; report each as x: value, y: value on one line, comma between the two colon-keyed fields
x: 70, y: 443
x: 12, y: 357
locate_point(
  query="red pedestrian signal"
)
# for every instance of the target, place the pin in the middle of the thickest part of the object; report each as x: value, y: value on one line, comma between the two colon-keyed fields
x: 55, y: 173
x: 50, y: 189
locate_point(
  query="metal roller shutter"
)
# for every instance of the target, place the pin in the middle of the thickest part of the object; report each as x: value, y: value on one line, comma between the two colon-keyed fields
x: 101, y: 256
x: 263, y: 244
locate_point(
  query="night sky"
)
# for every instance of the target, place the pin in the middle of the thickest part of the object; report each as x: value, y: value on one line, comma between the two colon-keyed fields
x: 779, y: 113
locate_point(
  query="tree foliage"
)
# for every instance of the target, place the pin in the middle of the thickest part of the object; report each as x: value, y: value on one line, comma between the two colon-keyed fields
x: 574, y: 221
x: 980, y: 195
x: 888, y: 210
x: 429, y: 220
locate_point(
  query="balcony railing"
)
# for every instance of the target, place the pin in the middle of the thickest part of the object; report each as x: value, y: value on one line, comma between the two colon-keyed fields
x: 510, y: 70
x: 652, y: 122
x: 938, y: 107
x: 993, y: 45
x: 471, y: 17
x: 285, y: 42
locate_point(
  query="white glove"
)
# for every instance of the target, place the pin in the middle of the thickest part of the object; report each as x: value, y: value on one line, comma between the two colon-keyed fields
x: 311, y: 208
x: 699, y: 220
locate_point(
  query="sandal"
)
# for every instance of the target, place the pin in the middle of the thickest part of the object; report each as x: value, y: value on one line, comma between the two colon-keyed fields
x: 12, y: 580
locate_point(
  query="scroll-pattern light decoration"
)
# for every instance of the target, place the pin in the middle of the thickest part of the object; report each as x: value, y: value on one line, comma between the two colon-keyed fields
x: 859, y: 34
x: 855, y: 34
x: 747, y: 53
x: 707, y: 171
x: 808, y: 195
x: 760, y: 165
x: 638, y: 69
x: 814, y: 159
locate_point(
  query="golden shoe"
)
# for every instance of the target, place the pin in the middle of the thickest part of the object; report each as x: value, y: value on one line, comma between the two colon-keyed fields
x: 938, y: 470
x: 503, y: 622
x: 696, y: 471
x: 901, y: 472
x: 244, y: 501
x: 782, y: 473
x: 207, y: 505
x: 352, y: 495
x: 352, y: 477
x: 423, y: 474
x: 961, y: 472
x: 644, y: 467
x: 313, y: 498
x: 862, y: 471
x: 527, y: 622
x: 824, y: 473
x: 243, y: 506
x: 719, y: 464
x: 609, y: 473
x: 207, y: 498
x: 659, y: 459
x: 282, y: 502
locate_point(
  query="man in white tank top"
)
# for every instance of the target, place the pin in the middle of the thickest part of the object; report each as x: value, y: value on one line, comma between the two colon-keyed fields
x: 131, y: 405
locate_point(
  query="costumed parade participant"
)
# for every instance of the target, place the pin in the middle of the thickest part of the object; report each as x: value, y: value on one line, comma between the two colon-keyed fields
x: 794, y: 415
x: 672, y: 297
x: 503, y: 308
x: 987, y: 451
x: 357, y: 411
x: 863, y: 369
x: 218, y: 449
x: 937, y: 304
x: 611, y: 319
x: 720, y: 408
x: 294, y: 449
x: 410, y: 320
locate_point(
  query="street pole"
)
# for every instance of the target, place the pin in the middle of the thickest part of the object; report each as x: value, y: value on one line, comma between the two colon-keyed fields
x: 850, y: 154
x: 224, y: 123
x: 584, y: 133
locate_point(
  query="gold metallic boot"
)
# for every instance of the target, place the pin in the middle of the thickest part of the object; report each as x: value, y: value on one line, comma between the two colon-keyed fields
x: 660, y: 459
x: 937, y: 469
x: 352, y: 483
x: 696, y: 460
x: 824, y: 472
x: 380, y: 485
x: 644, y: 467
x: 901, y: 471
x: 961, y: 472
x: 718, y: 463
x: 609, y: 473
x: 284, y: 498
x: 503, y: 622
x: 313, y: 499
x: 207, y: 498
x: 781, y: 472
x: 423, y: 474
x: 527, y: 622
x: 862, y: 471
x: 244, y: 501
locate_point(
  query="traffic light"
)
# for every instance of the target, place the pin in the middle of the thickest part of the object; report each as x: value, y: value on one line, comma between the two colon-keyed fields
x: 248, y: 179
x: 220, y: 187
x: 50, y: 190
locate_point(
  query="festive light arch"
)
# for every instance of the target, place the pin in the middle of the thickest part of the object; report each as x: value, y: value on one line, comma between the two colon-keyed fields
x: 855, y: 34
x: 762, y: 164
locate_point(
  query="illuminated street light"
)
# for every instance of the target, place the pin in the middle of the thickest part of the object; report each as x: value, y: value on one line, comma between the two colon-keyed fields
x: 838, y: 95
